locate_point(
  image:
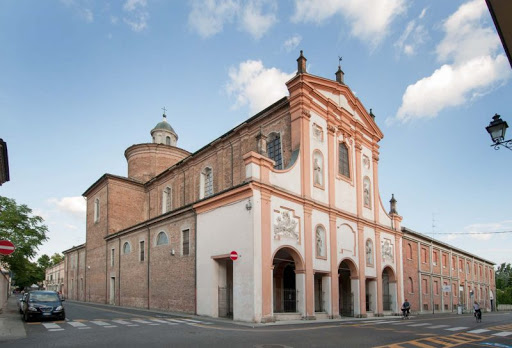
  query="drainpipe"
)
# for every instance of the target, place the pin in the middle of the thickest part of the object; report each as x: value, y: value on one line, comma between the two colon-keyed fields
x: 119, y: 272
x: 148, y: 247
x: 195, y: 263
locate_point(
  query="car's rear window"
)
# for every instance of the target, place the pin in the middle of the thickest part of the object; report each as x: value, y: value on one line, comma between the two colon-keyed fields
x: 44, y: 297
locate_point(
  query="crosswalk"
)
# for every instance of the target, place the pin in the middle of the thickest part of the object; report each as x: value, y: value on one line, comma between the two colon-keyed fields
x: 462, y: 332
x: 114, y: 323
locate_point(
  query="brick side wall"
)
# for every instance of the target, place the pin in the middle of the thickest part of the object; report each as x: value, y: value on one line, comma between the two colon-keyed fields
x: 427, y: 294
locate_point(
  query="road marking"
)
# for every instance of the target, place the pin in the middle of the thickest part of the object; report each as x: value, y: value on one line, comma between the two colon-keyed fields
x: 478, y: 331
x: 51, y: 326
x: 122, y: 322
x: 109, y: 326
x: 99, y: 323
x: 437, y: 326
x: 176, y: 321
x: 422, y: 324
x: 457, y: 328
x: 76, y: 324
x: 140, y: 321
x: 503, y: 334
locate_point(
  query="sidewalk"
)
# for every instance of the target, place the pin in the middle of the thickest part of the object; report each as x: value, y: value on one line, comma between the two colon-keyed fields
x: 11, y: 325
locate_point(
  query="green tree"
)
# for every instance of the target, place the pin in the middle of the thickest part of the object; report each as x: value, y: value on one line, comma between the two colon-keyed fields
x: 56, y: 258
x: 44, y: 261
x: 27, y: 232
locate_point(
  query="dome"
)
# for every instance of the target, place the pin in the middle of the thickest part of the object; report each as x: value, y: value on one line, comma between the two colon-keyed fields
x: 163, y: 133
x: 164, y: 125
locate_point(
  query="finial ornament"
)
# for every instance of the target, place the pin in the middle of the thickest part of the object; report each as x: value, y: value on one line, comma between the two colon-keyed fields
x: 164, y: 110
x: 340, y: 58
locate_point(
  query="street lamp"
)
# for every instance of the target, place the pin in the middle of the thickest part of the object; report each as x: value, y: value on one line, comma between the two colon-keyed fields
x: 496, y: 130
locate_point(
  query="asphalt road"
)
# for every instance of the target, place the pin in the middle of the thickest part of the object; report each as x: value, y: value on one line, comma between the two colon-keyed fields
x: 90, y: 325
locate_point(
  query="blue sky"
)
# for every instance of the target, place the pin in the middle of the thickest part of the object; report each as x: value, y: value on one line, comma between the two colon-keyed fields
x: 82, y: 80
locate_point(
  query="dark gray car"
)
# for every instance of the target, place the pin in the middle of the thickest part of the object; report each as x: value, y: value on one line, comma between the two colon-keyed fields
x: 42, y: 305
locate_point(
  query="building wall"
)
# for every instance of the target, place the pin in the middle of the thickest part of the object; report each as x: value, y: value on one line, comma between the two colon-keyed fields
x: 441, y: 266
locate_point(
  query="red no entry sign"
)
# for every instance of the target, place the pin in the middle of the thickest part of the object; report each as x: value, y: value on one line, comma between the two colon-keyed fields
x: 6, y: 247
x: 233, y: 256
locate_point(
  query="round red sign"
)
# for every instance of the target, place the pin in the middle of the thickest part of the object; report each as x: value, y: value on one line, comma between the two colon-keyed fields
x: 233, y: 256
x: 6, y: 247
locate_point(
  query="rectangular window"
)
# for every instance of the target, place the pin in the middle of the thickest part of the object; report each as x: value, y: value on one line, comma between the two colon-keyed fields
x: 112, y: 253
x: 274, y: 150
x: 467, y: 267
x: 423, y: 255
x: 186, y: 242
x: 436, y: 287
x: 343, y: 164
x: 445, y: 260
x: 434, y: 257
x: 425, y: 286
x: 141, y: 248
x: 460, y: 265
x: 453, y: 262
x: 425, y: 307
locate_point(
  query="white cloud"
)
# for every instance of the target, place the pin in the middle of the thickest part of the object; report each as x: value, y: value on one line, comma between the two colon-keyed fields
x: 471, y: 67
x: 413, y: 36
x: 253, y: 84
x: 208, y: 16
x: 465, y: 37
x: 74, y: 205
x: 292, y: 43
x: 81, y: 8
x: 131, y: 5
x: 369, y: 19
x: 136, y: 15
x: 478, y: 231
x: 256, y: 17
x: 452, y: 85
x: 254, y: 21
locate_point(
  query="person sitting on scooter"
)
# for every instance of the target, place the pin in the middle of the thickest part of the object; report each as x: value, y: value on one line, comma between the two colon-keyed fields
x: 406, y: 307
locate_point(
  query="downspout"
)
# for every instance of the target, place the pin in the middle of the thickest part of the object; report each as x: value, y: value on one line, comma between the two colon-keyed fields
x: 106, y: 255
x: 149, y: 244
x: 119, y: 273
x: 195, y: 263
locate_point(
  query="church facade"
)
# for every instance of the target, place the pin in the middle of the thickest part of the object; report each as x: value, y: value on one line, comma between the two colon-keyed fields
x: 294, y: 190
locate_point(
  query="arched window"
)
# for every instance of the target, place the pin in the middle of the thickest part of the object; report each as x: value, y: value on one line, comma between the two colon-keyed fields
x: 409, y: 251
x: 167, y: 140
x: 96, y: 210
x: 343, y: 163
x: 166, y: 200
x: 126, y: 248
x: 411, y: 286
x: 162, y: 239
x: 206, y: 189
x: 274, y: 149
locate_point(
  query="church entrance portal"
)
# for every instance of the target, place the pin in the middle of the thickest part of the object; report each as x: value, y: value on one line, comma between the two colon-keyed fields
x: 287, y: 268
x: 346, y: 296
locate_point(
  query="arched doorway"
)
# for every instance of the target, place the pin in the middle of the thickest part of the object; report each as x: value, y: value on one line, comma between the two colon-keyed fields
x: 389, y: 293
x: 346, y: 270
x: 288, y: 278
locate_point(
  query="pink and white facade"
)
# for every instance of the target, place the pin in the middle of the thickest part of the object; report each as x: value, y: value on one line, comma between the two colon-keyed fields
x: 314, y: 237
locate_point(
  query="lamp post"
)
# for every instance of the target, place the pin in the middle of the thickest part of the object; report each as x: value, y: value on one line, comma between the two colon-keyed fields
x: 496, y: 130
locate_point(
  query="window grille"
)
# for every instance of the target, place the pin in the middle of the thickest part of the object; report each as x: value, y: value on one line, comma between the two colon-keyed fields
x: 274, y: 150
x: 186, y: 242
